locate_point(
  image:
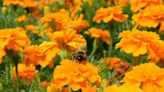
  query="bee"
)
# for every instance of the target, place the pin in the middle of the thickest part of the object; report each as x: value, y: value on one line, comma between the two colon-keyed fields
x: 79, y: 55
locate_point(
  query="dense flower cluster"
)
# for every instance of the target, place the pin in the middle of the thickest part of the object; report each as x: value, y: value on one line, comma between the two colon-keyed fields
x: 81, y: 45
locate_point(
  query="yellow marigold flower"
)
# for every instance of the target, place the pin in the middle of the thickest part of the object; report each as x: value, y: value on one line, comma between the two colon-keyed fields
x: 12, y: 39
x: 74, y: 74
x: 123, y: 88
x: 140, y: 4
x: 107, y: 14
x: 148, y: 75
x: 23, y: 3
x: 139, y: 43
x: 41, y: 54
x: 68, y: 39
x: 99, y: 34
x: 24, y: 72
x: 151, y: 16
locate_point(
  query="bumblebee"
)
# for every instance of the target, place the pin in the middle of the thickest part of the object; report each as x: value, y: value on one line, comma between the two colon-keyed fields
x: 79, y: 55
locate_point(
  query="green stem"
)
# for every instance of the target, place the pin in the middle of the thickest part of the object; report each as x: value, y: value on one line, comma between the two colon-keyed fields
x: 94, y: 49
x: 136, y: 61
x: 69, y: 89
x: 63, y: 54
x: 110, y: 47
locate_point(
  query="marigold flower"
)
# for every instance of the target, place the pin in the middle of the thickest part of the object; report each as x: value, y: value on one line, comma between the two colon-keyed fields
x: 24, y: 72
x: 139, y: 43
x: 22, y: 18
x: 123, y: 88
x: 12, y: 39
x: 146, y: 18
x: 99, y: 34
x: 74, y: 6
x: 45, y: 84
x: 117, y: 64
x: 41, y: 54
x: 23, y: 3
x: 78, y: 23
x: 63, y: 21
x: 140, y: 4
x: 53, y: 88
x: 32, y: 29
x: 68, y: 39
x: 123, y: 2
x: 107, y: 14
x: 148, y: 75
x: 75, y: 74
x: 113, y: 62
x: 90, y: 88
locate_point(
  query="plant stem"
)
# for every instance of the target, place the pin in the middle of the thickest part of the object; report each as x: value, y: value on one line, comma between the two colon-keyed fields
x: 94, y: 49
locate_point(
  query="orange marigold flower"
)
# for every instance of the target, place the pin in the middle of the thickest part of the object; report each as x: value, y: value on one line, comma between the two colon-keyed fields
x: 45, y: 84
x: 63, y: 21
x: 107, y: 14
x: 116, y: 63
x: 41, y: 54
x: 90, y: 88
x: 22, y: 18
x: 68, y: 39
x: 53, y: 88
x: 123, y: 2
x: 23, y: 3
x: 32, y: 29
x: 99, y: 34
x: 140, y: 42
x: 140, y: 4
x: 78, y: 23
x: 75, y: 74
x: 149, y: 76
x: 113, y: 62
x: 24, y: 72
x: 74, y: 6
x: 123, y: 88
x: 12, y: 39
x: 146, y: 18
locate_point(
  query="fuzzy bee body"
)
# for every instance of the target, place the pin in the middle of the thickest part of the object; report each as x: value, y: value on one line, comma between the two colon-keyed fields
x: 79, y: 55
